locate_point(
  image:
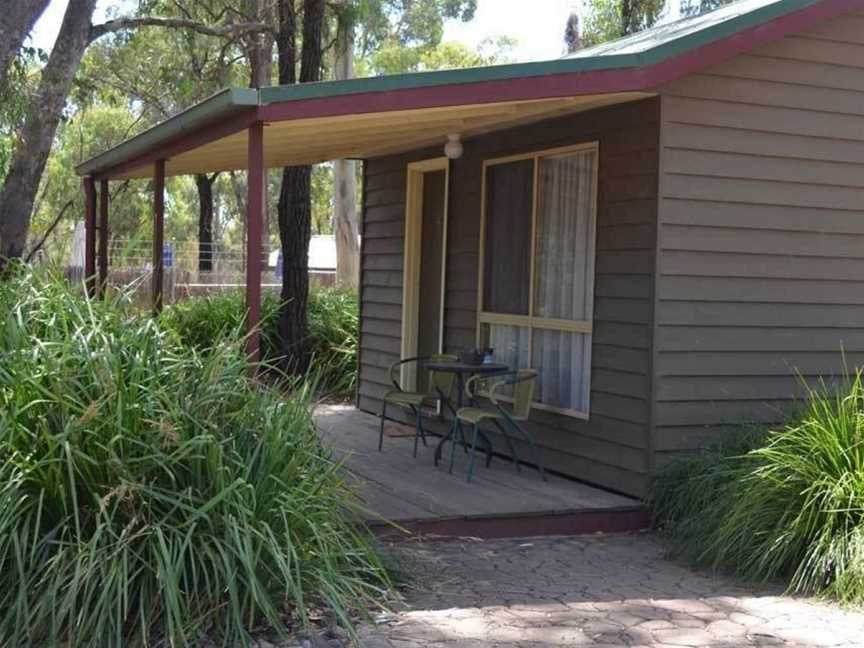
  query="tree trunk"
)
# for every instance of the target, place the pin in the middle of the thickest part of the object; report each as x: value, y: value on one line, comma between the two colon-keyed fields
x: 344, y: 177
x: 572, y: 34
x: 259, y: 46
x: 295, y: 229
x: 34, y: 143
x: 295, y: 195
x: 16, y: 21
x: 205, y: 221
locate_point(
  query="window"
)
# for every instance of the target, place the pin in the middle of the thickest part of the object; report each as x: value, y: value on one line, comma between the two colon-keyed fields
x: 537, y: 269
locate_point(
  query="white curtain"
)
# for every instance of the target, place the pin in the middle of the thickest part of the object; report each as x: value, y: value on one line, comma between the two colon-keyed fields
x: 509, y: 344
x: 564, y: 254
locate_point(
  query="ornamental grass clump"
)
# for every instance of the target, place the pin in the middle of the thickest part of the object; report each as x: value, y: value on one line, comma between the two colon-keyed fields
x: 790, y: 508
x: 150, y: 493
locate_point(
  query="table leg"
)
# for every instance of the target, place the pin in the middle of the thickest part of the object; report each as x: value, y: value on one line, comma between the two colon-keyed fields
x: 451, y: 436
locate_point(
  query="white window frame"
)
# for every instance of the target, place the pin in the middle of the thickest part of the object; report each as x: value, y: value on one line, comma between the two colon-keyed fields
x: 531, y: 322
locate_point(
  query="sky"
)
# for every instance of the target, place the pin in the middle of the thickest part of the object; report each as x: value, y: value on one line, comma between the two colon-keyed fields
x: 539, y: 35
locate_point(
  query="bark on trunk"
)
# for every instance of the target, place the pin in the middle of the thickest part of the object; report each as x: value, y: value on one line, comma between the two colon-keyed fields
x: 345, y: 179
x: 16, y: 21
x: 259, y: 45
x: 294, y: 233
x: 34, y: 143
x: 295, y: 195
x: 205, y: 221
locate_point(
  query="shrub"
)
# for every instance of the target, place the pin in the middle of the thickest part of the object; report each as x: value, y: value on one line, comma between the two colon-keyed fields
x: 202, y: 322
x: 149, y: 492
x: 334, y: 326
x: 207, y: 321
x: 792, y: 507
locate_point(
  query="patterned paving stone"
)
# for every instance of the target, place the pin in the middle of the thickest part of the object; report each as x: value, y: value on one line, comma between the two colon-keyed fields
x: 598, y: 591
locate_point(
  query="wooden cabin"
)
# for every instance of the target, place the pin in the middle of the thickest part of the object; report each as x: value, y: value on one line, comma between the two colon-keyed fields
x: 669, y: 228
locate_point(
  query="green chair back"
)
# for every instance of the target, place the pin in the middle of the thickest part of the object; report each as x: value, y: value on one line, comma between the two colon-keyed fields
x: 523, y: 393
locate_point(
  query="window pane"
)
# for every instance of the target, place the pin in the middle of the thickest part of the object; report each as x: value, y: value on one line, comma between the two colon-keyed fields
x: 510, y: 347
x: 559, y: 358
x: 509, y: 344
x: 507, y: 248
x: 565, y: 236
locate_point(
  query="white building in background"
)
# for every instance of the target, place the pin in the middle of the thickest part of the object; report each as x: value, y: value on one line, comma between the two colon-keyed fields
x: 76, y: 250
x: 322, y: 256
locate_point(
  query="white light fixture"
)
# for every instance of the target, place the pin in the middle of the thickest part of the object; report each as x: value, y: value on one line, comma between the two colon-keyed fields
x: 453, y: 147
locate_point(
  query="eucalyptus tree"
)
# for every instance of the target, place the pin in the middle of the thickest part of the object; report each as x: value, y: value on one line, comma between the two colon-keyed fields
x: 159, y: 72
x: 36, y: 135
x: 607, y: 20
x: 16, y: 21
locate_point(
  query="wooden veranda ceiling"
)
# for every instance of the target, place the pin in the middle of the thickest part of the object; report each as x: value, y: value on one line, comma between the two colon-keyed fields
x: 319, y: 139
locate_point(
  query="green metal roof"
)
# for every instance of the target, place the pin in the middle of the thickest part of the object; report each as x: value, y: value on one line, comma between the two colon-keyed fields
x: 687, y: 33
x: 644, y: 49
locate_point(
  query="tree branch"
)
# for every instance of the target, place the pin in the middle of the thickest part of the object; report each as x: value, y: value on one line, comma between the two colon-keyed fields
x: 53, y: 226
x: 223, y: 31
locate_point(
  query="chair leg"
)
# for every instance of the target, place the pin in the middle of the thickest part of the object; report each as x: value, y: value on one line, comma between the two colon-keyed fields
x: 418, y: 430
x: 474, y: 434
x: 422, y: 429
x: 510, y: 445
x: 453, y: 428
x: 487, y: 444
x: 535, y: 449
x: 381, y: 432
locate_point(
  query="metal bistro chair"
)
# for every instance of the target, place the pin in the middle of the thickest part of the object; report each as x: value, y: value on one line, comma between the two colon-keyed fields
x: 505, y: 419
x: 440, y: 386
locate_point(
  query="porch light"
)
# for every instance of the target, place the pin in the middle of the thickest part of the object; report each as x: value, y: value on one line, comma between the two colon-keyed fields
x: 453, y: 147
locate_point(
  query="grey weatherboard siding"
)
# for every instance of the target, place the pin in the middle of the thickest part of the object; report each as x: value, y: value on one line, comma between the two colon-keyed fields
x: 761, y: 234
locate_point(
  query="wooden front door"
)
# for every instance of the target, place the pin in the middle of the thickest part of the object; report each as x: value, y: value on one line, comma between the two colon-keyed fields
x: 424, y: 264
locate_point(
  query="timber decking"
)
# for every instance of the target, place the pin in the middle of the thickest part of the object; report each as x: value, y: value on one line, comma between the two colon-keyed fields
x: 399, y: 488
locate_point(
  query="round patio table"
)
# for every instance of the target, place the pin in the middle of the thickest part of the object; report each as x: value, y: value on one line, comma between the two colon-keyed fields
x: 465, y: 370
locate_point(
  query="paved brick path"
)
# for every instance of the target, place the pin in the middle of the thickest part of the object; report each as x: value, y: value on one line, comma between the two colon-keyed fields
x: 591, y: 591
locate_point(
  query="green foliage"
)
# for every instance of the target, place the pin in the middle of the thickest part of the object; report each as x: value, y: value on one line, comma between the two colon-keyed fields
x: 15, y: 97
x: 205, y: 322
x: 607, y: 20
x: 792, y: 507
x: 696, y: 7
x: 396, y: 59
x: 397, y: 36
x: 334, y: 326
x: 407, y: 22
x: 150, y: 492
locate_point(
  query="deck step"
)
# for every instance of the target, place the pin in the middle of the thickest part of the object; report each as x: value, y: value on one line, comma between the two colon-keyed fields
x: 577, y: 522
